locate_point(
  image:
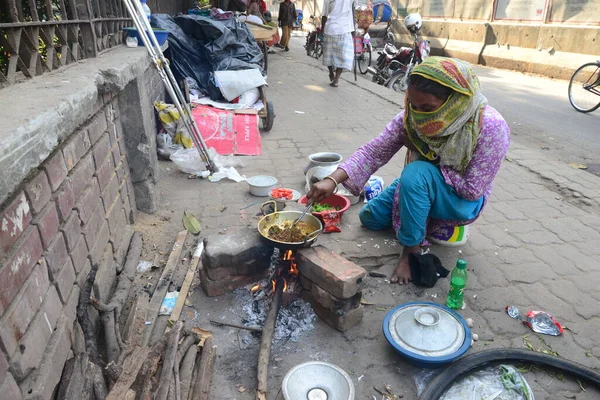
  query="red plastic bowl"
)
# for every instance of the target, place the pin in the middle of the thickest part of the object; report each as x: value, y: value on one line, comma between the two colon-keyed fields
x: 336, y: 200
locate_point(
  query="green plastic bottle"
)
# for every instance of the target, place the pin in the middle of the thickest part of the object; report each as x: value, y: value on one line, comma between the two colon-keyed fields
x: 458, y: 282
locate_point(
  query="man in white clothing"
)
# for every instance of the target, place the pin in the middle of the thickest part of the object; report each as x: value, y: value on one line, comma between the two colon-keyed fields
x: 338, y: 49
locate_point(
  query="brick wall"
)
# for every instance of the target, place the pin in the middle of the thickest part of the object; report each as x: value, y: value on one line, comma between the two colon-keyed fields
x: 71, y: 212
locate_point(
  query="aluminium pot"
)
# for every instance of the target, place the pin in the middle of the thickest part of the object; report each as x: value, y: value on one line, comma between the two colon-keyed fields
x: 280, y: 217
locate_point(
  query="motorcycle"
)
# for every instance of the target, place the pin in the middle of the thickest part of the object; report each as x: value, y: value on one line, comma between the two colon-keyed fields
x: 393, y: 65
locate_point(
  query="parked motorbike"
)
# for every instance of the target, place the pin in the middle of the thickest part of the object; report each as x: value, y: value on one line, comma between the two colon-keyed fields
x: 393, y: 65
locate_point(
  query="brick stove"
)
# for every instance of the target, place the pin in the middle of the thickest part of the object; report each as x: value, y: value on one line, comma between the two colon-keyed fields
x: 328, y: 281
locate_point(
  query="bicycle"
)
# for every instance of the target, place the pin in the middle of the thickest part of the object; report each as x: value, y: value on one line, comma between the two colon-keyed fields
x: 362, y: 53
x: 584, y: 88
x: 314, y: 41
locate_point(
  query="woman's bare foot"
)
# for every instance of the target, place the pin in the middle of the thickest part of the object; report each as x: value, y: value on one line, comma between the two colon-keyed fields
x: 334, y: 83
x: 402, y: 273
x: 331, y: 76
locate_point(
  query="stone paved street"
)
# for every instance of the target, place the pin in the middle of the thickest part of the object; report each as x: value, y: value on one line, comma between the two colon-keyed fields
x: 536, y: 245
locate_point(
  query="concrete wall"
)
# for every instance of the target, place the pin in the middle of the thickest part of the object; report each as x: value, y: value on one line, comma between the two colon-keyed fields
x: 71, y: 161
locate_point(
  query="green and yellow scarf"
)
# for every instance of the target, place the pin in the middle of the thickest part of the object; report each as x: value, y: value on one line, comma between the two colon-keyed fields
x: 449, y: 134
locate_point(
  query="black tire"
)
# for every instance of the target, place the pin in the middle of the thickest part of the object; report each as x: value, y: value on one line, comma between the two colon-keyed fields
x: 395, y: 83
x: 581, y: 99
x: 479, y: 360
x: 310, y: 49
x: 364, y: 61
x: 318, y: 50
x: 267, y: 121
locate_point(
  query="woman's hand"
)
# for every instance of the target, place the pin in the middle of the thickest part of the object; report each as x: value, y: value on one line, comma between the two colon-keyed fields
x: 321, y: 190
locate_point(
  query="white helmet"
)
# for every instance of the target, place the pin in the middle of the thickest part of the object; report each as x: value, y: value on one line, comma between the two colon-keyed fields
x: 413, y: 22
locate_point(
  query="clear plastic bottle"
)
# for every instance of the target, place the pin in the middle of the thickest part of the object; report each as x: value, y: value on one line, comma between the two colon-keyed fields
x: 458, y: 282
x: 146, y: 9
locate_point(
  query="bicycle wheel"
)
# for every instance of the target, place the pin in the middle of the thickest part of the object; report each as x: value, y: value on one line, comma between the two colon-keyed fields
x: 310, y: 49
x: 265, y: 62
x: 364, y: 61
x: 584, y: 88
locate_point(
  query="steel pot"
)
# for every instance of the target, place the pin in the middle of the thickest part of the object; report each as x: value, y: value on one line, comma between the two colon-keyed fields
x: 280, y: 217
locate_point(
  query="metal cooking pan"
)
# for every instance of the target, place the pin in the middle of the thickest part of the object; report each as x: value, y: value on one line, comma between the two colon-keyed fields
x: 279, y: 218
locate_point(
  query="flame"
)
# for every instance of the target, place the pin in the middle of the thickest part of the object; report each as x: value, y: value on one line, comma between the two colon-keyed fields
x: 254, y: 288
x: 274, y: 284
x: 285, y: 286
x: 289, y: 256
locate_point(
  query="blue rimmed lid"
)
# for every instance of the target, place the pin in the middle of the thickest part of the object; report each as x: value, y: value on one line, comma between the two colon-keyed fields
x: 427, y: 333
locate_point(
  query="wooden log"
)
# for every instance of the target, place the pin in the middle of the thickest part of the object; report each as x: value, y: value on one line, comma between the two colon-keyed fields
x: 264, y: 352
x: 131, y: 367
x: 150, y: 367
x: 187, y: 282
x: 168, y: 362
x: 189, y: 340
x: 185, y: 371
x: 204, y: 372
x: 136, y: 321
x: 163, y: 286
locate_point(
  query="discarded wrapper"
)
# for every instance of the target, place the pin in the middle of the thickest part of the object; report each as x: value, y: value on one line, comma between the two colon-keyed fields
x: 168, y: 303
x: 332, y: 221
x: 538, y: 321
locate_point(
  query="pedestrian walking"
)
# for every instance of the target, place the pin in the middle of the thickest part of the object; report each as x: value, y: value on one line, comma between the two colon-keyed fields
x: 287, y: 17
x: 455, y: 145
x: 338, y: 46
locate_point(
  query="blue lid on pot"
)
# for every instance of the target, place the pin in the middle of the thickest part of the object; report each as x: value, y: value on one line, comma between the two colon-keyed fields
x: 427, y: 334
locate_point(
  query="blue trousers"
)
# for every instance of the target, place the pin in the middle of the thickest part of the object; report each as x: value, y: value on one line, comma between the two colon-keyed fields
x: 423, y: 194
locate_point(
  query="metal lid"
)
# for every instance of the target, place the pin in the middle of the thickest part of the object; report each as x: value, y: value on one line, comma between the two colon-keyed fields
x: 426, y: 330
x: 262, y: 180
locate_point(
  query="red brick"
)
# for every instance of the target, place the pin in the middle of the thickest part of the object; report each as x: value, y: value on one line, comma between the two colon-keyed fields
x: 3, y: 364
x: 104, y: 173
x: 112, y: 215
x: 47, y: 223
x: 9, y: 389
x: 101, y: 150
x: 118, y: 231
x: 32, y: 346
x: 110, y: 192
x: 98, y: 248
x: 57, y: 256
x: 332, y: 272
x: 65, y: 200
x: 38, y: 191
x: 92, y: 227
x: 56, y: 169
x: 97, y: 126
x: 75, y: 148
x: 340, y: 322
x: 82, y: 173
x: 15, y: 271
x: 16, y: 319
x: 116, y: 153
x: 13, y: 221
x: 88, y: 201
x: 42, y: 385
x: 79, y: 254
x: 64, y: 281
x: 112, y: 134
x: 72, y: 230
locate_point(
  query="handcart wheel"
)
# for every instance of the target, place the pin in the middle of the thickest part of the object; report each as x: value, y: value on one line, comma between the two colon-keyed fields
x: 267, y: 121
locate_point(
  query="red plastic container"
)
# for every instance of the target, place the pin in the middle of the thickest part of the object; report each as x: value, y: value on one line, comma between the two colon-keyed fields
x: 334, y: 200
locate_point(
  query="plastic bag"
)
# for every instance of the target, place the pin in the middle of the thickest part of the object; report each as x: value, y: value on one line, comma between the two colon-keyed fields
x: 189, y: 161
x: 168, y: 303
x: 501, y: 382
x: 332, y: 221
x: 423, y: 378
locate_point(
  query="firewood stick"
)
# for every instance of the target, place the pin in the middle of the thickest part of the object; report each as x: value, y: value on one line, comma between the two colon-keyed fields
x: 168, y: 361
x: 177, y: 380
x: 185, y: 371
x: 150, y: 367
x: 204, y: 372
x: 189, y: 340
x: 264, y: 352
x: 248, y: 328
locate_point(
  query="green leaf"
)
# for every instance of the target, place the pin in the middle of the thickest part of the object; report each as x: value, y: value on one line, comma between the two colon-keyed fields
x: 191, y: 223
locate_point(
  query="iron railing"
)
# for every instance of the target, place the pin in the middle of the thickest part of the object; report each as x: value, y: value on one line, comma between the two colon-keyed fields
x: 37, y: 36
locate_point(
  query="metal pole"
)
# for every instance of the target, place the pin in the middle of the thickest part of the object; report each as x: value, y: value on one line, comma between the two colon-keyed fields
x: 162, y: 65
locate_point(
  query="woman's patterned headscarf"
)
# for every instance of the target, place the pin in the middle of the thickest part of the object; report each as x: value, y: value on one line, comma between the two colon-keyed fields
x: 448, y: 134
